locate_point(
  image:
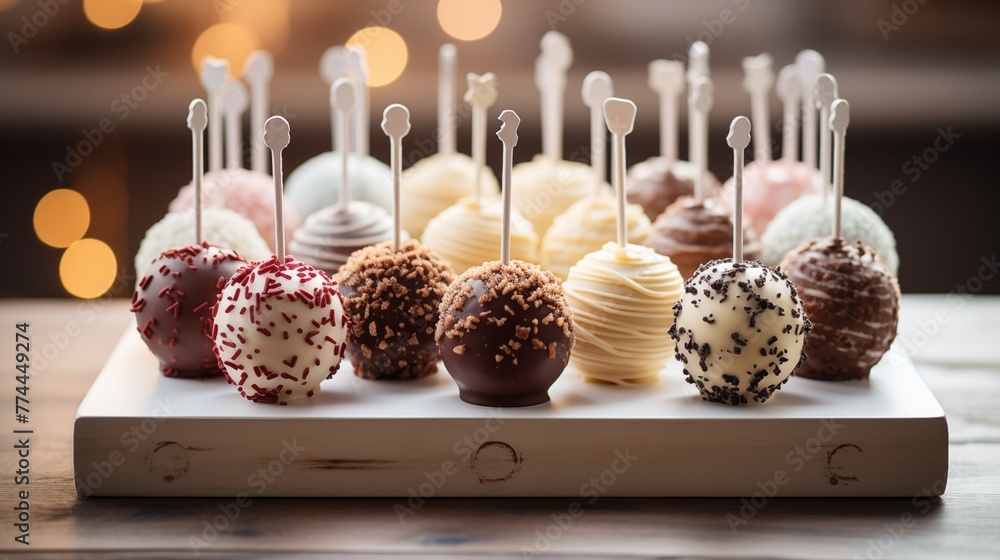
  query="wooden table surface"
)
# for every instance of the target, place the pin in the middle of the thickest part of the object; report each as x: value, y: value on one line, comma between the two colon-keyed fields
x: 955, y: 342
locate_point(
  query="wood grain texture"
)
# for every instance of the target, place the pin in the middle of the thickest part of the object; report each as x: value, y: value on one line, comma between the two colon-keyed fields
x: 964, y: 523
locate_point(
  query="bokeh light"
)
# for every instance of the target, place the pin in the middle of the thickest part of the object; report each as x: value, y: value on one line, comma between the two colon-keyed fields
x: 88, y: 268
x: 111, y: 14
x: 469, y: 20
x: 61, y: 218
x: 6, y: 4
x: 229, y: 41
x: 268, y: 20
x: 387, y: 53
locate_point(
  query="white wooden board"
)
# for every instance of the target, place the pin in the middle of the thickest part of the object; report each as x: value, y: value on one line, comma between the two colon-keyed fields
x: 140, y: 434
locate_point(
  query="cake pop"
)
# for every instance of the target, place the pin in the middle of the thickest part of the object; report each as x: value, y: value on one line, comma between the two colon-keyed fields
x: 505, y: 331
x: 695, y: 230
x: 547, y: 185
x: 850, y: 296
x: 439, y: 180
x: 771, y: 185
x: 173, y: 299
x: 659, y: 181
x: 621, y: 293
x: 317, y: 183
x: 739, y: 328
x: 392, y: 291
x: 279, y: 325
x: 587, y: 225
x: 328, y: 237
x: 467, y: 233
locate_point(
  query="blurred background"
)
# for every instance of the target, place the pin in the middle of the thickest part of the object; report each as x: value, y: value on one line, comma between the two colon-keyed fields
x: 79, y: 198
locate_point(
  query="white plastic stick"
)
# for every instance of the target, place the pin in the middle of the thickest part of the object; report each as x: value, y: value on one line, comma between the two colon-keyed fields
x: 214, y: 73
x: 840, y: 117
x: 197, y: 121
x: 396, y: 125
x: 758, y: 79
x: 481, y: 95
x: 507, y: 135
x: 550, y: 78
x: 334, y: 65
x: 790, y: 92
x: 276, y: 137
x: 597, y: 87
x: 619, y: 114
x: 235, y: 99
x: 258, y: 73
x: 447, y: 56
x: 698, y: 55
x: 343, y: 103
x: 809, y: 64
x: 826, y: 93
x: 362, y: 106
x: 700, y: 101
x: 666, y: 78
x: 738, y: 139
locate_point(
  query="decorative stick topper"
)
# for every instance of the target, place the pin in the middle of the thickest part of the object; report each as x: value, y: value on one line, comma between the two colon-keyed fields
x: 758, y: 79
x: 597, y: 87
x: 396, y: 125
x: 343, y: 98
x: 620, y: 117
x: 358, y: 59
x: 666, y: 78
x: 790, y: 92
x: 826, y: 92
x: 258, y: 72
x: 700, y: 101
x: 507, y: 135
x: 738, y: 139
x: 481, y: 95
x: 235, y: 99
x: 550, y: 77
x: 447, y: 56
x: 276, y: 137
x: 197, y: 120
x: 697, y: 61
x: 334, y: 65
x: 808, y: 65
x: 840, y: 117
x: 214, y: 73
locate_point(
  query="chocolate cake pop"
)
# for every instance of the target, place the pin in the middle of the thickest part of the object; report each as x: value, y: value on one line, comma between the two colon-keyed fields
x: 392, y: 291
x: 174, y: 296
x: 848, y: 292
x: 620, y: 294
x: 279, y: 325
x: 505, y: 331
x: 740, y: 326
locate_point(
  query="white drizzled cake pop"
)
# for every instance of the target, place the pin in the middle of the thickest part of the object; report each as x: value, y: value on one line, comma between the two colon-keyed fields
x: 622, y: 293
x: 659, y: 181
x: 772, y: 184
x: 329, y: 236
x: 851, y: 297
x: 246, y: 192
x: 467, y: 233
x: 317, y: 183
x: 740, y: 327
x: 279, y: 325
x: 547, y: 185
x: 439, y: 180
x: 588, y: 224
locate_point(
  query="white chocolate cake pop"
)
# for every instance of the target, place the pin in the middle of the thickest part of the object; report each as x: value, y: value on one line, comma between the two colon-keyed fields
x: 621, y: 293
x: 279, y: 325
x: 740, y: 327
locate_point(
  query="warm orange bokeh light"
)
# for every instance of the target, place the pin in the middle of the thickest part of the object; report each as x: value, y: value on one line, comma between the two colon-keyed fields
x: 111, y: 14
x: 469, y: 20
x: 228, y: 41
x: 88, y: 268
x: 268, y: 20
x: 61, y: 218
x: 386, y: 51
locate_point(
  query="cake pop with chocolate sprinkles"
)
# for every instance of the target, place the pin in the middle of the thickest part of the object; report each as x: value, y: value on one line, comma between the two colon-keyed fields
x: 740, y: 327
x: 850, y: 295
x: 505, y: 331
